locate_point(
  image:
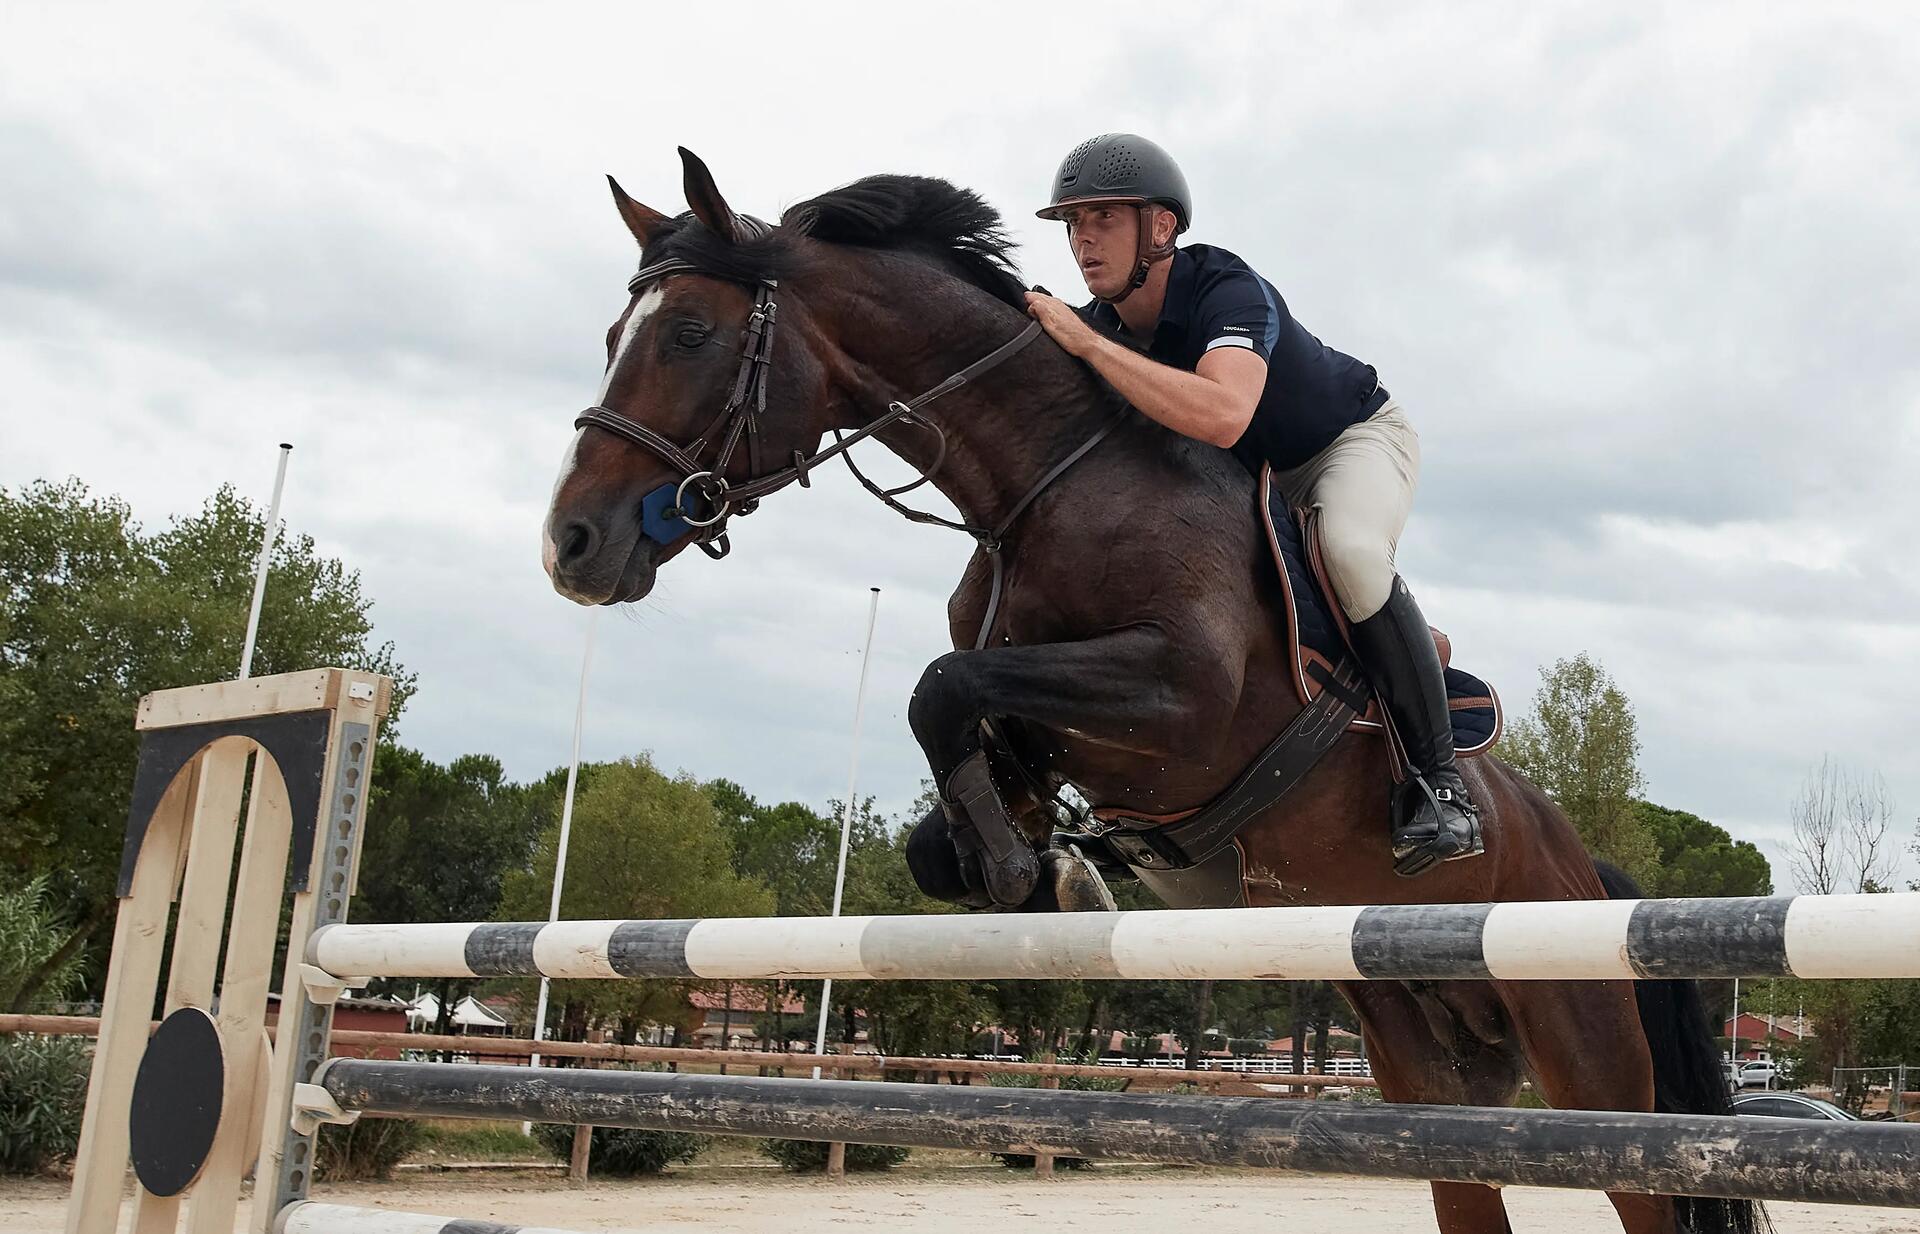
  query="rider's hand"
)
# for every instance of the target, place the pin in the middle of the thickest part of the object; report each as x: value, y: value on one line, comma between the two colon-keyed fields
x: 1061, y: 323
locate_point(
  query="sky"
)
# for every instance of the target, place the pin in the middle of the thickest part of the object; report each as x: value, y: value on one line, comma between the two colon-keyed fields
x: 1646, y: 278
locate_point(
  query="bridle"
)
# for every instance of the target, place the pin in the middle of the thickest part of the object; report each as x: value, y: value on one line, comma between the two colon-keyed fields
x: 666, y: 514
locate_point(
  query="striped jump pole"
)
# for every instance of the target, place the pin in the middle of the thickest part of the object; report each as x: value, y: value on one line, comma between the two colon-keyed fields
x: 1840, y: 936
x: 311, y: 1218
x: 1658, y: 1154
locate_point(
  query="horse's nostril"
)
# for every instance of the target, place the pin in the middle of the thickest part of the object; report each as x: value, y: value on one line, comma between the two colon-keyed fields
x: 577, y: 541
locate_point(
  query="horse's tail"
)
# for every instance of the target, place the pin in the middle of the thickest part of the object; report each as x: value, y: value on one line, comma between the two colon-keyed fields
x: 1688, y: 1077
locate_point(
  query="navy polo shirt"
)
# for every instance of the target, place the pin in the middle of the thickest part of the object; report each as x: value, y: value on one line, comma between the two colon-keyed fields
x: 1216, y: 300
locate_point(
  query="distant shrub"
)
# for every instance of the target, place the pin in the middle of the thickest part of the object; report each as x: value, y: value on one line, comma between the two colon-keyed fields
x: 810, y: 1156
x: 366, y: 1149
x: 622, y: 1151
x: 43, y: 1094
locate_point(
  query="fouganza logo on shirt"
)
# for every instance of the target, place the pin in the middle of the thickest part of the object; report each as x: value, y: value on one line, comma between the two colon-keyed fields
x: 1238, y: 329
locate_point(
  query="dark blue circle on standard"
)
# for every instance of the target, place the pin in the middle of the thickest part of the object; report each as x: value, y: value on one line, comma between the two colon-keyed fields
x: 177, y: 1097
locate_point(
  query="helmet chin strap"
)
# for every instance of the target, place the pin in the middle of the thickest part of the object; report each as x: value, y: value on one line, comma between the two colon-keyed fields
x: 1146, y: 252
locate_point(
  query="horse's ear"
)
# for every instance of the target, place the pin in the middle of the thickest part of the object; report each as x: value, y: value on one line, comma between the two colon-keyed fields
x: 704, y: 198
x: 641, y: 220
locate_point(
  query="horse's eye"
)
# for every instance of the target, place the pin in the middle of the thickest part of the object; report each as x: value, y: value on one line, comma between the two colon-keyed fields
x: 692, y: 336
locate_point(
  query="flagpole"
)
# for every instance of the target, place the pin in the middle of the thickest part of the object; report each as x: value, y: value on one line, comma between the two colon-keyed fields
x: 566, y: 822
x: 846, y: 813
x: 267, y: 538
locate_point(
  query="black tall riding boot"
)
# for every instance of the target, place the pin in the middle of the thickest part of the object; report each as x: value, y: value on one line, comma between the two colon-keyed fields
x: 1433, y: 818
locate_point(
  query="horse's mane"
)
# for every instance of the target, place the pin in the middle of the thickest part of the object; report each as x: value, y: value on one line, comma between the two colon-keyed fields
x: 929, y: 218
x: 917, y: 213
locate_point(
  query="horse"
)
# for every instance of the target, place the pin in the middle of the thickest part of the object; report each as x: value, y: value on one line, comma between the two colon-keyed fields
x: 1132, y: 635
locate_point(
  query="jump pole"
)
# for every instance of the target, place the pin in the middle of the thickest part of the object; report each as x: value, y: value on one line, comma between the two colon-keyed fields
x: 1654, y: 1154
x: 1828, y: 937
x: 312, y: 1218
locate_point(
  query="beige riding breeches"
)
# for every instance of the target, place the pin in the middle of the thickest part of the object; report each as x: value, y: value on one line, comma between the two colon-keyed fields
x: 1362, y: 485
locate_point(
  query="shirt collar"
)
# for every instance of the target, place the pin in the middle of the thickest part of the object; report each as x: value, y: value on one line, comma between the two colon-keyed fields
x: 1174, y: 310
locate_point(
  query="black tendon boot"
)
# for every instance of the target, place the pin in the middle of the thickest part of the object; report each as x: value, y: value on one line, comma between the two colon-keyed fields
x: 1433, y: 818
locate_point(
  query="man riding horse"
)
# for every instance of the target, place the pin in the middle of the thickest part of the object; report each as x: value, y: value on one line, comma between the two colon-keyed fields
x: 1195, y: 339
x: 1137, y: 650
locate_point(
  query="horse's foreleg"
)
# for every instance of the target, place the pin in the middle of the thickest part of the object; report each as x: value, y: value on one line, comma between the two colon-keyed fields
x: 1132, y: 691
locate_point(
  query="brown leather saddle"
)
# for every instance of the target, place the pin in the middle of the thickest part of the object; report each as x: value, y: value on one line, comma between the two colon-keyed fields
x: 1336, y: 700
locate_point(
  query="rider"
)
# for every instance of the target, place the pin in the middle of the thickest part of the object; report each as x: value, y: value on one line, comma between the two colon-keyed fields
x: 1195, y: 339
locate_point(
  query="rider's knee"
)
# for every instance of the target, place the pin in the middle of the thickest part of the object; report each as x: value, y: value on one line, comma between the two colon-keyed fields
x: 1360, y: 564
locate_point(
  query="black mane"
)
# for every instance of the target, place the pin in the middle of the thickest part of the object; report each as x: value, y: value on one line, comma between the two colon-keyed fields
x: 917, y: 213
x: 931, y: 218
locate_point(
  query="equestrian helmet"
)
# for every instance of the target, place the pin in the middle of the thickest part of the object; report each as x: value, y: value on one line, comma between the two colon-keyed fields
x: 1119, y: 168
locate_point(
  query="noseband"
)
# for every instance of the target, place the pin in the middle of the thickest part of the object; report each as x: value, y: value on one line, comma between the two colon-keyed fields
x: 667, y: 515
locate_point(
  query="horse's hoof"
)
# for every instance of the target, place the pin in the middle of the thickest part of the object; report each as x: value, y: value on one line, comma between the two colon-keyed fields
x: 1077, y: 885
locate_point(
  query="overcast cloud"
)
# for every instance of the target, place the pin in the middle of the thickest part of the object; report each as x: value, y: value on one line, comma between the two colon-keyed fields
x: 1647, y: 278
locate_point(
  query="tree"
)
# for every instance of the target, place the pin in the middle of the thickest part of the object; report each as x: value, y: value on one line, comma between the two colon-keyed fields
x: 94, y: 613
x: 644, y: 846
x: 1696, y: 858
x: 1840, y: 821
x: 31, y: 936
x: 903, y: 1017
x: 1580, y: 744
x: 440, y: 843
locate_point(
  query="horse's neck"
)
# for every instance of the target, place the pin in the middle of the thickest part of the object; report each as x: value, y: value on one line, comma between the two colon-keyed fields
x: 1003, y: 431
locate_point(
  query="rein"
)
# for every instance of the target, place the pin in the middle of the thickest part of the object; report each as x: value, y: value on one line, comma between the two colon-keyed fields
x: 666, y: 515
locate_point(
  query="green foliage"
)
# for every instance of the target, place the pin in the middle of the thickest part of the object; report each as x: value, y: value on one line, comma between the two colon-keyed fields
x: 644, y: 845
x: 43, y: 1093
x: 478, y: 1141
x: 439, y: 843
x: 365, y: 1150
x: 810, y: 1156
x: 623, y: 1151
x: 440, y: 839
x: 31, y: 937
x: 94, y: 612
x: 902, y: 1017
x: 789, y: 848
x: 1697, y: 858
x: 1580, y: 744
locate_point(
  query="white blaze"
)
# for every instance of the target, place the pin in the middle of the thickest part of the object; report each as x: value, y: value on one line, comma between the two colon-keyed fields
x: 649, y: 304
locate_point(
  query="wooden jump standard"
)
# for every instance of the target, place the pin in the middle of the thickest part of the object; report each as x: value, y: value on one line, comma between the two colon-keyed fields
x: 201, y: 1099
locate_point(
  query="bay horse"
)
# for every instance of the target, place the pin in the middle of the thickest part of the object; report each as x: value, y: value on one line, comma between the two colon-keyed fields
x: 1136, y: 643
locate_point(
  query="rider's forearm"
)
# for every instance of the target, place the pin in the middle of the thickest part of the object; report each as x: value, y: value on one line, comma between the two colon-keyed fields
x: 1189, y: 404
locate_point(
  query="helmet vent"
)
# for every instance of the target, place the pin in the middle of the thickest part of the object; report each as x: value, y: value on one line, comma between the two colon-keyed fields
x: 1070, y: 169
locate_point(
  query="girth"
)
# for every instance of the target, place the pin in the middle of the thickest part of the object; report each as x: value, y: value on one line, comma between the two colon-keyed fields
x: 1159, y: 845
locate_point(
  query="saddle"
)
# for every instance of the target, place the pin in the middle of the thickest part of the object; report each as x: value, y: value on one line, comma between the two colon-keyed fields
x: 1333, y: 691
x: 1317, y: 629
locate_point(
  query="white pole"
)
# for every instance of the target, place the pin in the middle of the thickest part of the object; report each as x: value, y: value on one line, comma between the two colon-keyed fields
x: 846, y: 814
x: 260, y: 568
x: 566, y: 822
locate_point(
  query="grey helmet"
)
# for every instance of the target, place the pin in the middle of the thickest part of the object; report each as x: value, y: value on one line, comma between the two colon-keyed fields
x: 1121, y: 168
x: 1124, y: 169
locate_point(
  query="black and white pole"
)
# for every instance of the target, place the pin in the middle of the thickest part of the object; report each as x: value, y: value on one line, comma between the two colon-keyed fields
x: 267, y: 538
x: 846, y: 813
x: 566, y: 822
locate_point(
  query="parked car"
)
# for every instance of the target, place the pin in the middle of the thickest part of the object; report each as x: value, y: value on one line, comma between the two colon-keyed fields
x: 1790, y: 1105
x: 1760, y: 1074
